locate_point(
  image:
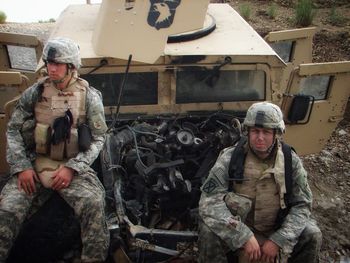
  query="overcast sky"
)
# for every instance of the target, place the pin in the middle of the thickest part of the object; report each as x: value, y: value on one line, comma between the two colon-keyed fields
x: 35, y: 10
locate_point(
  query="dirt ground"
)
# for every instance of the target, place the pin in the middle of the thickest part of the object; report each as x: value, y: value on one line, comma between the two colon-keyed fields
x: 329, y: 171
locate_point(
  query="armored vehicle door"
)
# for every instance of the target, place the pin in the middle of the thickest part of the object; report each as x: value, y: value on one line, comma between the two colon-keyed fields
x: 293, y: 46
x: 316, y: 95
x: 19, y: 55
x: 314, y: 103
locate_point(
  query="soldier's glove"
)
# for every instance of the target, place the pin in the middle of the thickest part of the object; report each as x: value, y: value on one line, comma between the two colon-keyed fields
x: 61, y: 128
x: 238, y: 205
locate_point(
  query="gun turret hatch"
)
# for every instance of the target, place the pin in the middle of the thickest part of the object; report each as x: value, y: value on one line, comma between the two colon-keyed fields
x: 142, y: 29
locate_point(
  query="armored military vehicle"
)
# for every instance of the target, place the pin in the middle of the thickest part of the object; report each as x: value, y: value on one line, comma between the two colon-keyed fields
x: 177, y: 78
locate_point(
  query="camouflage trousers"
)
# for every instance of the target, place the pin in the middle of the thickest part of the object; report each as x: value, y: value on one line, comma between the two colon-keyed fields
x: 85, y: 195
x: 212, y: 248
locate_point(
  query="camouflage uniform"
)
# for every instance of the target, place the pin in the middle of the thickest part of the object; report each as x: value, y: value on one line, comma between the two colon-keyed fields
x: 85, y: 193
x: 220, y: 230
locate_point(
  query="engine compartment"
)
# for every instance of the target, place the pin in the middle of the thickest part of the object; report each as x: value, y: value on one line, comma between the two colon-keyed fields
x: 153, y: 169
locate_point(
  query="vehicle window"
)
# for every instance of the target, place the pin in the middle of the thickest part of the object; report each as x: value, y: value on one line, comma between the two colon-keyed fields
x: 202, y: 85
x: 140, y: 88
x: 283, y: 49
x: 22, y: 58
x: 316, y: 86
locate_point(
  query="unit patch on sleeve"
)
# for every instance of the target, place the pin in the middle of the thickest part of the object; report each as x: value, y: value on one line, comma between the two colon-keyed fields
x: 210, y: 186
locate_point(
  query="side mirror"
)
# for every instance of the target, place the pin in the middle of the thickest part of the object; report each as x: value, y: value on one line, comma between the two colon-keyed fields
x: 300, y: 109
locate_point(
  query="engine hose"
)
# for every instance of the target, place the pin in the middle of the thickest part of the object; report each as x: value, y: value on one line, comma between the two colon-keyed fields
x: 137, y: 148
x: 150, y: 145
x: 146, y: 133
x: 224, y: 125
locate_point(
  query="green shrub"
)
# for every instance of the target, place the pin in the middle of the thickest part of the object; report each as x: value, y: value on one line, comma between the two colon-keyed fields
x: 335, y: 18
x: 304, y: 13
x: 272, y: 11
x: 2, y: 17
x: 245, y: 11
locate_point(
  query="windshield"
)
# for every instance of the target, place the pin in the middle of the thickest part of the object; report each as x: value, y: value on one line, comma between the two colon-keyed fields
x: 140, y: 88
x: 203, y: 85
x: 193, y: 85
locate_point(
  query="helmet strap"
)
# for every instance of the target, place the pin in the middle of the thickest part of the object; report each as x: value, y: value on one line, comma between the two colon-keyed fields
x: 269, y: 150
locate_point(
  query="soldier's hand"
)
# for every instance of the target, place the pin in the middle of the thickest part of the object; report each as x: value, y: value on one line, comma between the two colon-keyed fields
x: 252, y: 249
x: 62, y: 178
x: 26, y: 181
x: 269, y: 251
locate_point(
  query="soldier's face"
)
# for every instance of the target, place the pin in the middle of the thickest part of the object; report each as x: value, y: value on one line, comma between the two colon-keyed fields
x: 261, y: 139
x: 56, y: 71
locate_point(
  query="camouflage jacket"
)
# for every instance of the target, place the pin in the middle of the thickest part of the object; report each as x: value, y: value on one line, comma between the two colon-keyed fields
x: 20, y: 132
x: 234, y: 232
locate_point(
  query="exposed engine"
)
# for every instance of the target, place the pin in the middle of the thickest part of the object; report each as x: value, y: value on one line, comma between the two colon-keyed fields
x: 153, y: 169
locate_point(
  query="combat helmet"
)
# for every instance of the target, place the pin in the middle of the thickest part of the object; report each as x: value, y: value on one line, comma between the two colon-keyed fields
x: 265, y: 115
x: 62, y: 50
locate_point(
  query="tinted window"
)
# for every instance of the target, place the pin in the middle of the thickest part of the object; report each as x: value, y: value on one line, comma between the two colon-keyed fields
x: 140, y: 88
x: 316, y: 86
x: 22, y: 58
x: 202, y: 85
x: 283, y: 49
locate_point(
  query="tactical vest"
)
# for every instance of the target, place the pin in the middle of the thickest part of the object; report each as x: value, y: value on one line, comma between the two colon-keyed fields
x: 263, y: 184
x: 53, y: 104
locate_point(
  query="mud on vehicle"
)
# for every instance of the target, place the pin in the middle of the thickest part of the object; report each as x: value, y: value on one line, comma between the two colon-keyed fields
x: 176, y: 85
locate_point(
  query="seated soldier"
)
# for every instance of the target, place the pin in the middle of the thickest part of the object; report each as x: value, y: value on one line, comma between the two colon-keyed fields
x: 43, y: 151
x: 256, y: 200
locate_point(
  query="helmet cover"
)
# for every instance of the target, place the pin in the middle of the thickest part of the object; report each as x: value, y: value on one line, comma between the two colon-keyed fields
x: 265, y: 115
x: 62, y: 50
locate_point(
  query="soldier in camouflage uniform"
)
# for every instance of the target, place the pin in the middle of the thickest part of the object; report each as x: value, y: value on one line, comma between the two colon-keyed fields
x: 244, y: 220
x: 43, y: 151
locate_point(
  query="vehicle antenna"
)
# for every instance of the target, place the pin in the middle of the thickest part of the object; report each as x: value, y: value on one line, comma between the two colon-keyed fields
x: 121, y: 92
